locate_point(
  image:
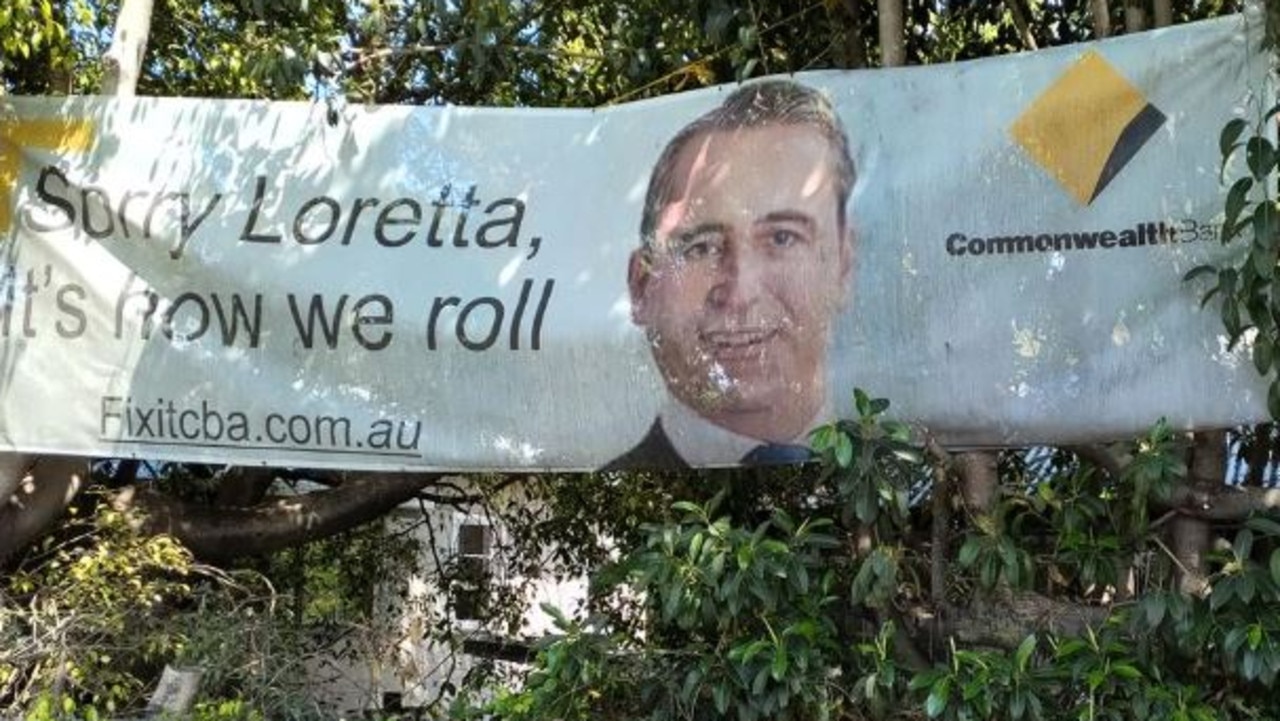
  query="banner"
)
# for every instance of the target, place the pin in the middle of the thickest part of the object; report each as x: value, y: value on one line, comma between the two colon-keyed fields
x: 997, y: 246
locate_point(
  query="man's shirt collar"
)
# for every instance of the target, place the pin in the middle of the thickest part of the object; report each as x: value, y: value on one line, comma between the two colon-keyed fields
x: 702, y: 443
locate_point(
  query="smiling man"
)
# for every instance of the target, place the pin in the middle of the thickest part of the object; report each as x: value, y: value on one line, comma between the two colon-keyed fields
x: 745, y: 258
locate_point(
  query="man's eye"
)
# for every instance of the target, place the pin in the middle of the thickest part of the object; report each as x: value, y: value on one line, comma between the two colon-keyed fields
x: 699, y: 247
x: 781, y: 238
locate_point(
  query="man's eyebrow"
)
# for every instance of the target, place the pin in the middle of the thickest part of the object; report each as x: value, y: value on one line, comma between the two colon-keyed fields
x: 685, y: 234
x: 788, y: 216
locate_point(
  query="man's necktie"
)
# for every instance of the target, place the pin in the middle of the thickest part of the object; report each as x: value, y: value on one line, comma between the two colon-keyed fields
x: 770, y: 454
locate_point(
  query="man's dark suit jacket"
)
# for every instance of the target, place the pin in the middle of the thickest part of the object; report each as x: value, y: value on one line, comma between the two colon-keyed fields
x: 653, y: 453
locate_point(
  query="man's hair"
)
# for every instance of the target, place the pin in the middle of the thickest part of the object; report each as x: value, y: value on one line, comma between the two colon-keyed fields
x: 755, y: 105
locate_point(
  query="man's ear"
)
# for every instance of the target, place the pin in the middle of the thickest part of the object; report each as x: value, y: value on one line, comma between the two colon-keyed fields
x: 639, y: 273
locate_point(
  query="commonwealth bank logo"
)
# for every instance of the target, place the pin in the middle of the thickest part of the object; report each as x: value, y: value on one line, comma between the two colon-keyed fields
x: 57, y: 134
x: 1087, y: 126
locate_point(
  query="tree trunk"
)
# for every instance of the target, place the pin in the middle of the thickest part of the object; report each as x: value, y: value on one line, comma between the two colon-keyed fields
x: 1100, y: 10
x: 41, y: 496
x: 893, y: 42
x: 1135, y: 16
x: 855, y: 47
x: 941, y: 527
x: 1163, y: 15
x: 122, y: 65
x: 979, y: 480
x: 1191, y: 535
x: 220, y: 533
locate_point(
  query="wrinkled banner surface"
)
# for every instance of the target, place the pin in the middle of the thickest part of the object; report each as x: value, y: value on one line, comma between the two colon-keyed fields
x: 247, y: 282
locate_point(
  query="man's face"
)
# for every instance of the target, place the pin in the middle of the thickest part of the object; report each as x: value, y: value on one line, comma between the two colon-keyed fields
x: 748, y: 265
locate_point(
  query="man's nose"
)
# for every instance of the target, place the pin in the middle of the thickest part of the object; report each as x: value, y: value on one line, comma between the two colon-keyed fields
x: 739, y: 279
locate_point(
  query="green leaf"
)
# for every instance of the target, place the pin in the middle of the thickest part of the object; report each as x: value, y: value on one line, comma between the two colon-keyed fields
x: 1264, y: 229
x: 758, y: 684
x: 1221, y: 594
x: 925, y: 679
x: 720, y: 696
x: 695, y: 547
x: 969, y: 551
x: 861, y: 402
x: 1230, y: 137
x: 1025, y: 649
x: 1209, y: 295
x: 1255, y: 636
x: 1263, y: 525
x: 844, y: 451
x: 824, y: 437
x: 1243, y: 546
x: 1237, y: 200
x: 1233, y: 640
x: 1260, y: 156
x: 1250, y: 665
x: 688, y: 507
x: 989, y: 572
x: 1198, y: 271
x: 936, y: 703
x: 1263, y: 261
x: 1155, y: 607
x: 1018, y: 706
x: 1263, y: 354
x: 1273, y: 400
x: 1231, y: 321
x: 778, y: 668
x: 1126, y: 671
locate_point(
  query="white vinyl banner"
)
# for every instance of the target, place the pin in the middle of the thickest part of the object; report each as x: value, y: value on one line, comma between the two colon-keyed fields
x: 996, y: 246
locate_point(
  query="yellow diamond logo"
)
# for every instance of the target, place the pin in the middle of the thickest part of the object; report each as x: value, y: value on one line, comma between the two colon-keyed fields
x: 1087, y: 126
x: 58, y: 135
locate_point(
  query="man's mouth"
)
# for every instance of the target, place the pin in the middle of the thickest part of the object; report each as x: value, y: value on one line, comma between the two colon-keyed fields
x: 743, y: 344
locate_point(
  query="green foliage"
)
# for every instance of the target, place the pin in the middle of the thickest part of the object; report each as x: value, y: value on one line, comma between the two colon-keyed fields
x: 65, y: 612
x: 34, y: 42
x: 1246, y: 287
x: 90, y: 617
x: 985, y: 685
x: 741, y: 621
x: 804, y: 612
x: 871, y: 463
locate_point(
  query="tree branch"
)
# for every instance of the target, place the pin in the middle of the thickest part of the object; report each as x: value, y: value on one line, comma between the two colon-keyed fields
x: 1021, y: 24
x: 979, y: 480
x: 1004, y: 623
x: 941, y: 521
x: 214, y: 533
x: 1222, y: 505
x: 44, y: 493
x: 244, y: 486
x: 1100, y: 457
